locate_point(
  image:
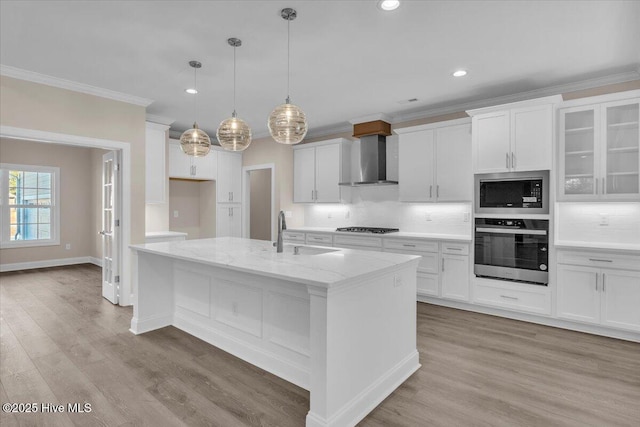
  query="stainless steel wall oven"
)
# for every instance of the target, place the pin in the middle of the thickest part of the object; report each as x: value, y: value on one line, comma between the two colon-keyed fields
x: 512, y: 249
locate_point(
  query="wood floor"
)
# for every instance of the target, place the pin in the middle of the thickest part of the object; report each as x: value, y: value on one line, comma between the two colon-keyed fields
x: 62, y: 343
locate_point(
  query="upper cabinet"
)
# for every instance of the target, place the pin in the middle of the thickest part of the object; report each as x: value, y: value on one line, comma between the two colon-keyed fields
x: 229, y: 182
x: 184, y: 166
x: 155, y: 163
x: 599, y: 154
x: 318, y: 168
x: 435, y: 162
x: 513, y: 137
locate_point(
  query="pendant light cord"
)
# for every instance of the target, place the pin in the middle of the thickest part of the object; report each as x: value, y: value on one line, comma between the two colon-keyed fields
x: 234, y: 81
x: 288, y: 57
x: 195, y: 95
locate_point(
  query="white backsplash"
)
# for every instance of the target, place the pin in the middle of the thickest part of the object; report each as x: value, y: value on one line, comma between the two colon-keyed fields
x: 608, y: 223
x: 376, y: 207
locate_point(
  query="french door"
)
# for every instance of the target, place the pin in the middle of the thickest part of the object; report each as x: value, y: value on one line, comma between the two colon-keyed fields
x: 110, y: 226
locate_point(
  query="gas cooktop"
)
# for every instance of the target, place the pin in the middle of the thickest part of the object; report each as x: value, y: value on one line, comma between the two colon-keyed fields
x: 374, y: 230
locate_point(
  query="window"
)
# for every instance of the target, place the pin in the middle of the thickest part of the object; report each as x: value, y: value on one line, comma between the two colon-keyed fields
x: 29, y: 205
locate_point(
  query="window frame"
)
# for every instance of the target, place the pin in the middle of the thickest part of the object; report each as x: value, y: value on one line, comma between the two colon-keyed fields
x: 5, y: 217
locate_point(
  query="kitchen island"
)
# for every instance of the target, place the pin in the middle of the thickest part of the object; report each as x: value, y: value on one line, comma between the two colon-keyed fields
x: 340, y: 323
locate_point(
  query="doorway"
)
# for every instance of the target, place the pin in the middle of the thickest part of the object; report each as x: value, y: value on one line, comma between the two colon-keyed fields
x: 259, y: 202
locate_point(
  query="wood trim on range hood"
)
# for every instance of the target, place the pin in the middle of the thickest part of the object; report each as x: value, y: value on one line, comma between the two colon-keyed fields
x: 377, y: 127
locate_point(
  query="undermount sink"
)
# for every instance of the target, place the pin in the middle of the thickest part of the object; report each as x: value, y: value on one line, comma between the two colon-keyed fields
x: 306, y: 250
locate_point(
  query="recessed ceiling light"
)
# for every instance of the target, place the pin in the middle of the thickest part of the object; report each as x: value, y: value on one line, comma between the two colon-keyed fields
x: 191, y: 91
x: 459, y: 73
x: 388, y: 5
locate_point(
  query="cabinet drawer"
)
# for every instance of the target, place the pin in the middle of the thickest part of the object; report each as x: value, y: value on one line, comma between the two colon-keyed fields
x: 367, y: 242
x: 428, y: 260
x: 293, y: 236
x: 599, y: 259
x: 411, y: 245
x: 510, y: 297
x: 455, y: 248
x: 319, y: 239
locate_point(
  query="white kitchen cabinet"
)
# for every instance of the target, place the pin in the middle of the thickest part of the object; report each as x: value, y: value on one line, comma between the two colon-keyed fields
x: 155, y: 163
x: 454, y: 273
x: 599, y: 288
x: 229, y: 181
x: 229, y: 220
x: 513, y: 137
x: 599, y: 151
x: 435, y: 162
x: 184, y: 166
x: 318, y: 168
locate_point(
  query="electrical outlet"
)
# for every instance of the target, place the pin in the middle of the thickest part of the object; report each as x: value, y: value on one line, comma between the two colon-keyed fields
x: 427, y: 216
x: 466, y: 217
x: 176, y: 214
x: 397, y: 281
x: 288, y: 214
x: 604, y: 219
x: 68, y: 246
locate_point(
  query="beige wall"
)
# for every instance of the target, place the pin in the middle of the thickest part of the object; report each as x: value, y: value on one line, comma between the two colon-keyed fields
x: 265, y: 150
x: 35, y: 106
x: 195, y: 202
x: 76, y: 201
x: 260, y: 203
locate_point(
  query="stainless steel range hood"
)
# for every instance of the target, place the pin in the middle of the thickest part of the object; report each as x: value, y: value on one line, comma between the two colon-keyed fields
x: 373, y: 155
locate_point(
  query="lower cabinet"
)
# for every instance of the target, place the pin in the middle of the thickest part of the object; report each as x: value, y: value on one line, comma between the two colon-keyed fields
x: 454, y: 277
x: 229, y: 220
x: 605, y: 296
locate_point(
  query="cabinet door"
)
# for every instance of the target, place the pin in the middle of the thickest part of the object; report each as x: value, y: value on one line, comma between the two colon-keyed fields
x: 455, y: 277
x: 621, y: 299
x: 579, y: 158
x: 454, y: 176
x: 578, y: 293
x: 531, y: 138
x: 415, y: 167
x: 228, y: 221
x: 491, y: 151
x: 327, y: 173
x: 620, y: 150
x: 179, y: 163
x: 304, y: 174
x: 155, y: 164
x: 229, y: 180
x: 205, y: 168
x: 427, y: 284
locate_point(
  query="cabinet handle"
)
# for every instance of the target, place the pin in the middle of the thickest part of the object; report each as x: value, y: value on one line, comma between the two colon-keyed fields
x: 195, y: 170
x: 442, y: 264
x: 596, y: 282
x: 311, y: 194
x: 507, y: 160
x: 508, y: 297
x: 408, y: 245
x: 604, y: 187
x: 604, y: 289
x: 453, y: 249
x: 430, y: 191
x: 600, y: 260
x: 437, y: 191
x: 513, y: 160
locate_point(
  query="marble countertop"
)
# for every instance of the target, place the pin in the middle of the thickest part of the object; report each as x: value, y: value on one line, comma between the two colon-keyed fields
x: 328, y: 269
x: 164, y: 234
x: 565, y: 244
x: 400, y: 234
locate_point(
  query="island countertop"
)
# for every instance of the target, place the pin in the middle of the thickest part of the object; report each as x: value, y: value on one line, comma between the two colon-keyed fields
x: 259, y: 257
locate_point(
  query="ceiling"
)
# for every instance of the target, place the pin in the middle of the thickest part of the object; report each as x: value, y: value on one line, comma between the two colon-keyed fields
x: 348, y: 58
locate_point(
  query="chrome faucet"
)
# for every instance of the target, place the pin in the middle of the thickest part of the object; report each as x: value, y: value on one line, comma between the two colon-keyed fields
x: 282, y: 225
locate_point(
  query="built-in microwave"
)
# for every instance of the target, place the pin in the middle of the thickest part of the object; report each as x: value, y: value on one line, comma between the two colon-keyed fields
x: 512, y: 192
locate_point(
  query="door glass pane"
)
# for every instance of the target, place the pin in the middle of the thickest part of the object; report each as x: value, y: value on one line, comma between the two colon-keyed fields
x: 623, y: 142
x: 579, y: 152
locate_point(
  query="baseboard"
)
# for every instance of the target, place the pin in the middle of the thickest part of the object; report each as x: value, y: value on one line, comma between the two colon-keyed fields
x: 533, y: 318
x: 95, y: 261
x: 45, y: 263
x: 140, y: 326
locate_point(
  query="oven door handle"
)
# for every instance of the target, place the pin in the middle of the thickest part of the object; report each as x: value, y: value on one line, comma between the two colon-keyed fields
x: 506, y: 231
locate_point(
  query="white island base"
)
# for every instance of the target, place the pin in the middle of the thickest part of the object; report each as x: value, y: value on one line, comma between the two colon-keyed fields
x: 340, y: 324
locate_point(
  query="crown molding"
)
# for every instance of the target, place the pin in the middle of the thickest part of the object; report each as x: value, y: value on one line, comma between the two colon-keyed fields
x: 31, y: 76
x: 522, y: 96
x: 161, y: 120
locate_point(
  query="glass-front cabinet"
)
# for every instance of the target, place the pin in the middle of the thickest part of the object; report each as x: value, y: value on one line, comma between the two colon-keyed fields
x: 599, y: 151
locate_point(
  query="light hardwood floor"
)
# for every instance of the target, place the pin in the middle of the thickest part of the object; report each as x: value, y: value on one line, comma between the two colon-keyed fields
x: 62, y: 343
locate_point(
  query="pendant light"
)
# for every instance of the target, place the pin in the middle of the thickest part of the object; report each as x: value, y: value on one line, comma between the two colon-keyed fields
x: 195, y: 142
x: 234, y: 134
x: 287, y: 122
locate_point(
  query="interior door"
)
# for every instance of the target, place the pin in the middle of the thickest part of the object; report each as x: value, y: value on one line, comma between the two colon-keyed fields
x: 110, y: 226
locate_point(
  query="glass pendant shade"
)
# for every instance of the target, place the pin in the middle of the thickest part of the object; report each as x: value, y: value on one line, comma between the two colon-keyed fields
x: 234, y: 134
x: 195, y: 142
x: 287, y: 124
